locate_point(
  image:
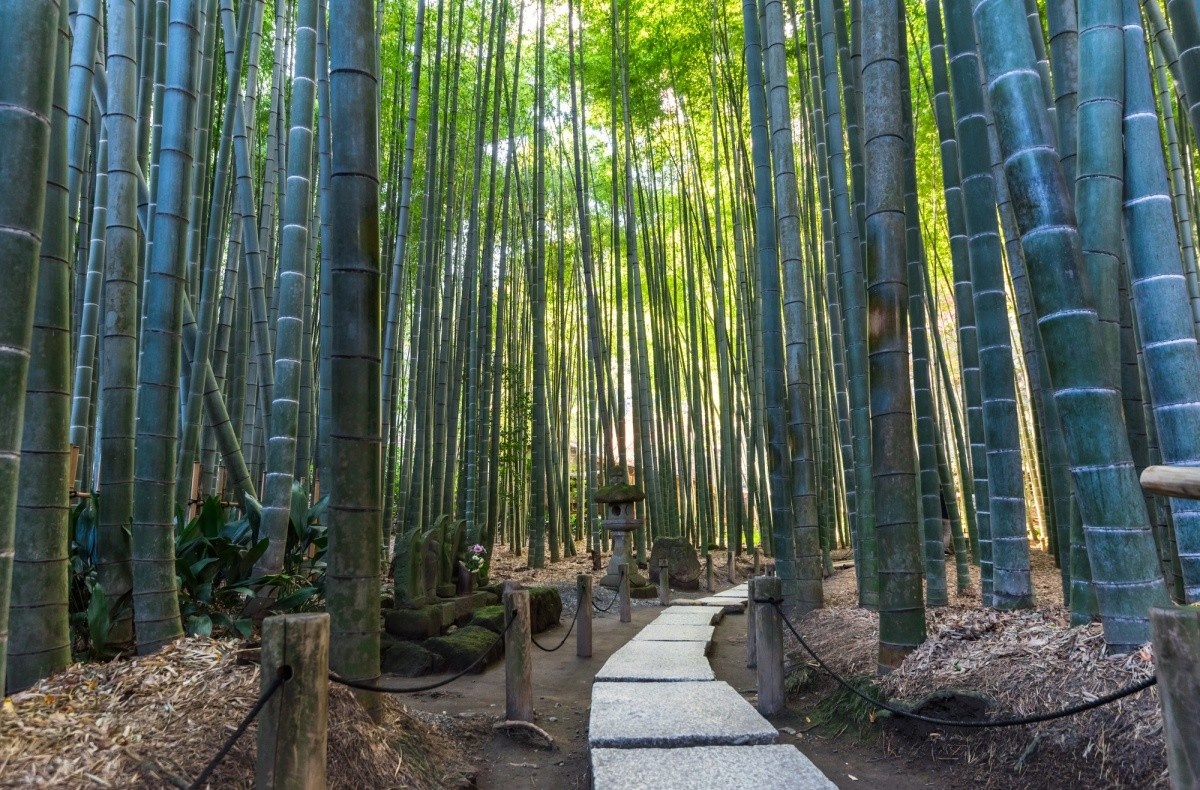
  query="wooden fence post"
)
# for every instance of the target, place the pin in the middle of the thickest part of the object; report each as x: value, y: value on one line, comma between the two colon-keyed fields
x: 757, y: 561
x: 768, y: 630
x: 293, y: 726
x: 664, y: 584
x: 751, y: 620
x: 1175, y: 633
x: 708, y: 571
x: 731, y: 566
x: 623, y: 592
x: 583, y: 634
x: 518, y: 670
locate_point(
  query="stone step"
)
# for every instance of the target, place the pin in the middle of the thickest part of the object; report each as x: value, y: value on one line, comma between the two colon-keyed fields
x: 674, y: 632
x: 760, y: 767
x: 731, y: 605
x: 741, y: 591
x: 637, y: 715
x: 690, y: 615
x: 656, y: 661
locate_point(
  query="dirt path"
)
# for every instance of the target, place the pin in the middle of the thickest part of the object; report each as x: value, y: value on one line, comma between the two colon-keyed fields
x: 562, y: 697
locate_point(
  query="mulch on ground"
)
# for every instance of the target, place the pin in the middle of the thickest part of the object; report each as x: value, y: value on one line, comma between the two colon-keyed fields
x: 1025, y: 662
x: 155, y: 721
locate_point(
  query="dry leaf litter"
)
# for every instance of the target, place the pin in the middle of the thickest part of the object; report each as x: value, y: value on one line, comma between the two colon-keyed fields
x: 155, y: 721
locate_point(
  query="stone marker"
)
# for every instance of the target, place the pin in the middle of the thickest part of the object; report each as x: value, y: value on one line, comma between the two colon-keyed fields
x: 636, y: 715
x: 657, y: 661
x: 775, y: 767
x: 683, y: 564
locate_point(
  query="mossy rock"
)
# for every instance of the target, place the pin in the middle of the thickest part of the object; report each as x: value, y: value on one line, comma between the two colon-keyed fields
x: 446, y: 591
x: 619, y: 492
x: 643, y: 593
x: 490, y: 617
x: 465, y: 646
x: 545, y: 608
x: 410, y: 660
x: 413, y: 623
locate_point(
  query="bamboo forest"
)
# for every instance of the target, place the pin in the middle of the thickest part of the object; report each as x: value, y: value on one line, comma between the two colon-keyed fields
x: 344, y: 342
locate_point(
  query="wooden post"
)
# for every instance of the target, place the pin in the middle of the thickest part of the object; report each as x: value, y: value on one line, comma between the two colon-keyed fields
x: 221, y: 475
x: 751, y: 619
x: 768, y: 630
x: 583, y: 633
x: 731, y: 566
x: 194, y: 492
x: 708, y: 571
x: 293, y: 726
x: 623, y: 592
x: 664, y: 584
x: 74, y: 464
x: 1175, y: 633
x: 757, y: 561
x: 518, y: 668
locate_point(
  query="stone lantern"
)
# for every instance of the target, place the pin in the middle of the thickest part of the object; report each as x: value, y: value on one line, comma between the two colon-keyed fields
x: 618, y: 505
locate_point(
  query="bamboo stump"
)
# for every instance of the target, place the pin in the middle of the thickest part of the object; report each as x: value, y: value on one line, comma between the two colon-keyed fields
x: 768, y: 631
x: 583, y: 632
x: 664, y: 584
x: 292, y: 728
x: 1175, y: 633
x: 518, y: 668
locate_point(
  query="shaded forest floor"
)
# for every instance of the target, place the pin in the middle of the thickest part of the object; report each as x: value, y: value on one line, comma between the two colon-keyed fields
x: 155, y: 721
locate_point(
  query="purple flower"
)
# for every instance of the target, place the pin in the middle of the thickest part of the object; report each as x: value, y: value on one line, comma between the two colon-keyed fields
x: 477, y: 549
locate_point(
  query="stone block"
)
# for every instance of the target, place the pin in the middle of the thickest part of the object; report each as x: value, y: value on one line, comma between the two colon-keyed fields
x: 657, y: 661
x: 420, y: 623
x: 545, y: 608
x: 775, y: 767
x: 463, y: 647
x: 667, y: 632
x: 409, y: 660
x: 489, y: 617
x: 683, y: 564
x: 691, y: 615
x: 672, y: 715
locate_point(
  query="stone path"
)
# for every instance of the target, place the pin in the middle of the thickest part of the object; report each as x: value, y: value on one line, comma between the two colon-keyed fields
x: 661, y: 720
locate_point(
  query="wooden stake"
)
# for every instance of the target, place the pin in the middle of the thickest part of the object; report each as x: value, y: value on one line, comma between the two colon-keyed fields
x: 583, y: 630
x: 768, y: 630
x: 731, y: 566
x: 293, y: 727
x: 664, y: 584
x: 757, y: 561
x: 194, y: 496
x: 623, y: 592
x: 708, y: 571
x: 1175, y: 633
x: 751, y: 619
x: 518, y: 669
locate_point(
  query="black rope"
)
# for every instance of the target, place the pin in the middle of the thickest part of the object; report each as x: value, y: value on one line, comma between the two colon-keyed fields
x: 610, y: 603
x: 985, y: 723
x: 566, y: 636
x: 356, y: 684
x: 276, y: 684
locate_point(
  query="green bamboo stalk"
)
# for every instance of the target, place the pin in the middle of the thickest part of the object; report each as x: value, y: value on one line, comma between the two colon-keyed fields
x: 1113, y: 514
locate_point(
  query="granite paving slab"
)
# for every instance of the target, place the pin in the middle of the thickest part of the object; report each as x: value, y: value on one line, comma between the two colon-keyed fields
x: 656, y: 661
x: 774, y: 767
x: 732, y: 605
x: 672, y: 632
x: 635, y: 715
x: 691, y: 615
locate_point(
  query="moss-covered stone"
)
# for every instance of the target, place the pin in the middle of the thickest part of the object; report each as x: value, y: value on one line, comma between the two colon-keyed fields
x: 409, y: 660
x: 490, y: 617
x: 644, y: 592
x: 465, y: 646
x: 619, y: 492
x: 545, y: 608
x: 413, y: 623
